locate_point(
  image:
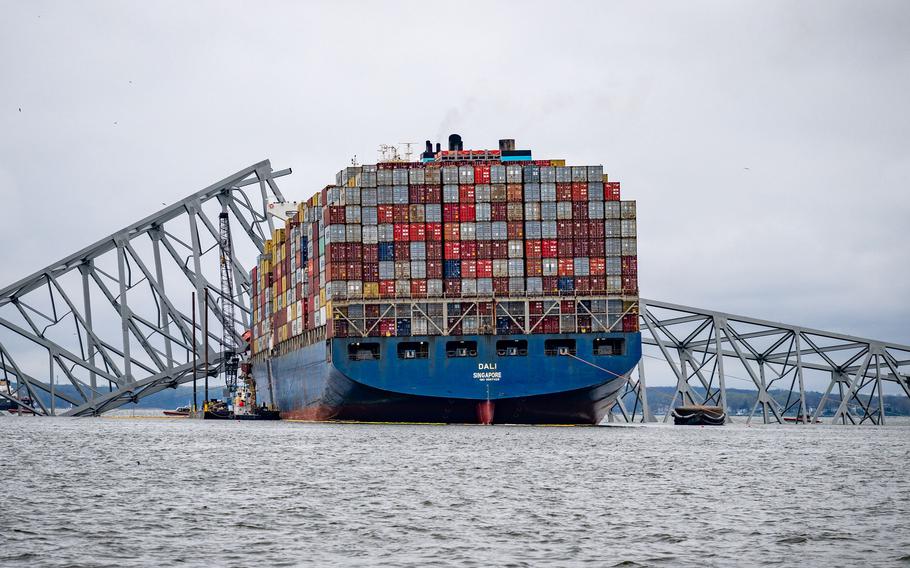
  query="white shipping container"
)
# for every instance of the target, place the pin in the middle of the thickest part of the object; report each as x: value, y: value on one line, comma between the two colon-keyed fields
x: 564, y: 210
x: 450, y: 174
x: 385, y: 195
x: 368, y: 196
x: 531, y: 174
x: 516, y: 248
x: 403, y: 288
x: 499, y: 230
x: 484, y: 231
x: 516, y: 284
x: 386, y: 233
x: 352, y: 233
x: 482, y: 193
x: 627, y: 209
x: 516, y: 267
x: 468, y: 231
x: 403, y: 269
x: 500, y: 268
x: 384, y: 177
x: 563, y: 174
x: 468, y: 288
x: 582, y: 266
x: 369, y: 215
x: 418, y: 252
x: 513, y: 173
x: 627, y: 228
x: 629, y: 247
x: 580, y: 173
x: 532, y: 230
x: 386, y: 269
x: 612, y: 228
x: 466, y: 174
x: 614, y: 266
x: 450, y: 193
x: 418, y: 269
x: 434, y: 287
x: 550, y: 266
x: 532, y: 211
x: 595, y: 210
x: 416, y: 176
x: 399, y: 176
x: 355, y: 289
x: 534, y: 284
x: 548, y: 229
x: 433, y: 212
x: 497, y: 174
x: 613, y: 247
x: 532, y: 191
x: 352, y: 213
x: 400, y: 194
x: 482, y: 211
x: 548, y: 191
x: 484, y: 286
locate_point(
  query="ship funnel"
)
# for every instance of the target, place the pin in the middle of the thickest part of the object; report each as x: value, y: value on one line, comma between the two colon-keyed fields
x: 455, y: 142
x: 429, y: 149
x: 506, y: 144
x: 438, y: 147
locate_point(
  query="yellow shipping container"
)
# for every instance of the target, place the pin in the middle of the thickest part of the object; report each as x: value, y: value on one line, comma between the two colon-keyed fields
x: 605, y: 178
x: 560, y: 163
x: 371, y: 290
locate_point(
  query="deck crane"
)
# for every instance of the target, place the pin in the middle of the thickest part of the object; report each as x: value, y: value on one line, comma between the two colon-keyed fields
x: 231, y: 354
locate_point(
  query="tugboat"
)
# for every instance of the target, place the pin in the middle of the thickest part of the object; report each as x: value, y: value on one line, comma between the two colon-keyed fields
x: 698, y: 415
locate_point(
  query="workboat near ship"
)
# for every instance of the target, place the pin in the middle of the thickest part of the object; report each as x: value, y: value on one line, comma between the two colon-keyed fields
x: 472, y: 286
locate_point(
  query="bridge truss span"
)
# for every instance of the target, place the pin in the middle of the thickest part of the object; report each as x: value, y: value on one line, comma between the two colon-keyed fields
x: 113, y: 322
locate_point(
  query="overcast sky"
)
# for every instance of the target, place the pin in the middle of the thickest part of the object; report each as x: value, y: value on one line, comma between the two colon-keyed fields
x: 767, y: 143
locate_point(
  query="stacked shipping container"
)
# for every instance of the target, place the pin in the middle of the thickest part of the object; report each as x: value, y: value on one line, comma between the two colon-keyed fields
x: 479, y: 231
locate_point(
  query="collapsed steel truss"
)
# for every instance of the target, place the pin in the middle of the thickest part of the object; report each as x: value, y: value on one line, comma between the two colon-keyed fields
x: 705, y: 350
x: 103, y: 322
x: 115, y: 321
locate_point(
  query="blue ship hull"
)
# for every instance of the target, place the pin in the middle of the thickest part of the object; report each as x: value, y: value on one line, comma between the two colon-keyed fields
x: 332, y: 380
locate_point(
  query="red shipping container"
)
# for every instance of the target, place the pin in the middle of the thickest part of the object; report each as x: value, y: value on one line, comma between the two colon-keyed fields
x: 401, y: 232
x: 566, y: 267
x: 418, y: 232
x: 402, y: 251
x: 564, y: 191
x: 515, y: 230
x: 371, y: 253
x: 468, y: 251
x: 484, y: 268
x: 434, y: 268
x: 596, y: 229
x: 434, y: 231
x: 535, y: 309
x: 452, y: 287
x: 371, y: 272
x: 580, y: 229
x: 567, y: 307
x: 418, y: 288
x: 580, y: 210
x: 533, y: 249
x: 452, y: 250
x: 499, y: 211
x: 468, y: 268
x: 466, y: 194
x: 400, y: 214
x: 630, y: 266
x: 630, y: 284
x: 579, y: 191
x: 596, y: 247
x: 549, y: 248
x: 514, y: 192
x: 433, y: 193
x: 481, y: 174
x: 583, y: 284
x: 466, y: 212
x: 500, y: 249
x: 580, y: 248
x: 500, y: 285
x: 597, y: 266
x: 355, y: 252
x: 598, y: 284
x: 336, y: 271
x: 417, y: 194
x: 336, y: 214
x: 384, y: 213
x: 534, y: 267
x: 336, y: 252
x: 434, y: 249
x: 451, y: 213
x: 630, y: 322
x: 451, y: 231
x: 387, y: 288
x: 484, y: 249
x: 565, y: 248
x: 611, y: 191
x: 387, y: 327
x: 563, y: 229
x: 354, y: 271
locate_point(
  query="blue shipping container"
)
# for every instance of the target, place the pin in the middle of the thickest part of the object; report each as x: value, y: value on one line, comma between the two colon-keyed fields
x: 452, y: 269
x: 566, y: 283
x: 386, y: 251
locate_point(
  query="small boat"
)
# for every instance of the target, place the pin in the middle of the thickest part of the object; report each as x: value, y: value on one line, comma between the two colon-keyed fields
x: 180, y: 411
x: 698, y: 415
x: 21, y: 407
x: 260, y: 413
x: 799, y: 420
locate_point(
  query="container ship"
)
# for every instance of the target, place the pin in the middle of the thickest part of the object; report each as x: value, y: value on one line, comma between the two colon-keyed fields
x: 471, y: 286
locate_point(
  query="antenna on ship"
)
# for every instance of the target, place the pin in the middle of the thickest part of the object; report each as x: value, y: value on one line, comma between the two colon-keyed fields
x: 354, y: 160
x: 407, y: 150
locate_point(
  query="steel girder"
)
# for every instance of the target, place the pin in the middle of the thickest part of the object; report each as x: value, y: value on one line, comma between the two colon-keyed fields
x: 705, y: 349
x: 114, y: 322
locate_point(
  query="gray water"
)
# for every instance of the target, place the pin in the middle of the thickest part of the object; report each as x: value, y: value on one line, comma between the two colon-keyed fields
x: 139, y: 492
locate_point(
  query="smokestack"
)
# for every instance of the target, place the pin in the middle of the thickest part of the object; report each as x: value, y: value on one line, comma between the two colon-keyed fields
x: 455, y: 142
x: 506, y: 144
x: 438, y: 147
x: 429, y: 149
